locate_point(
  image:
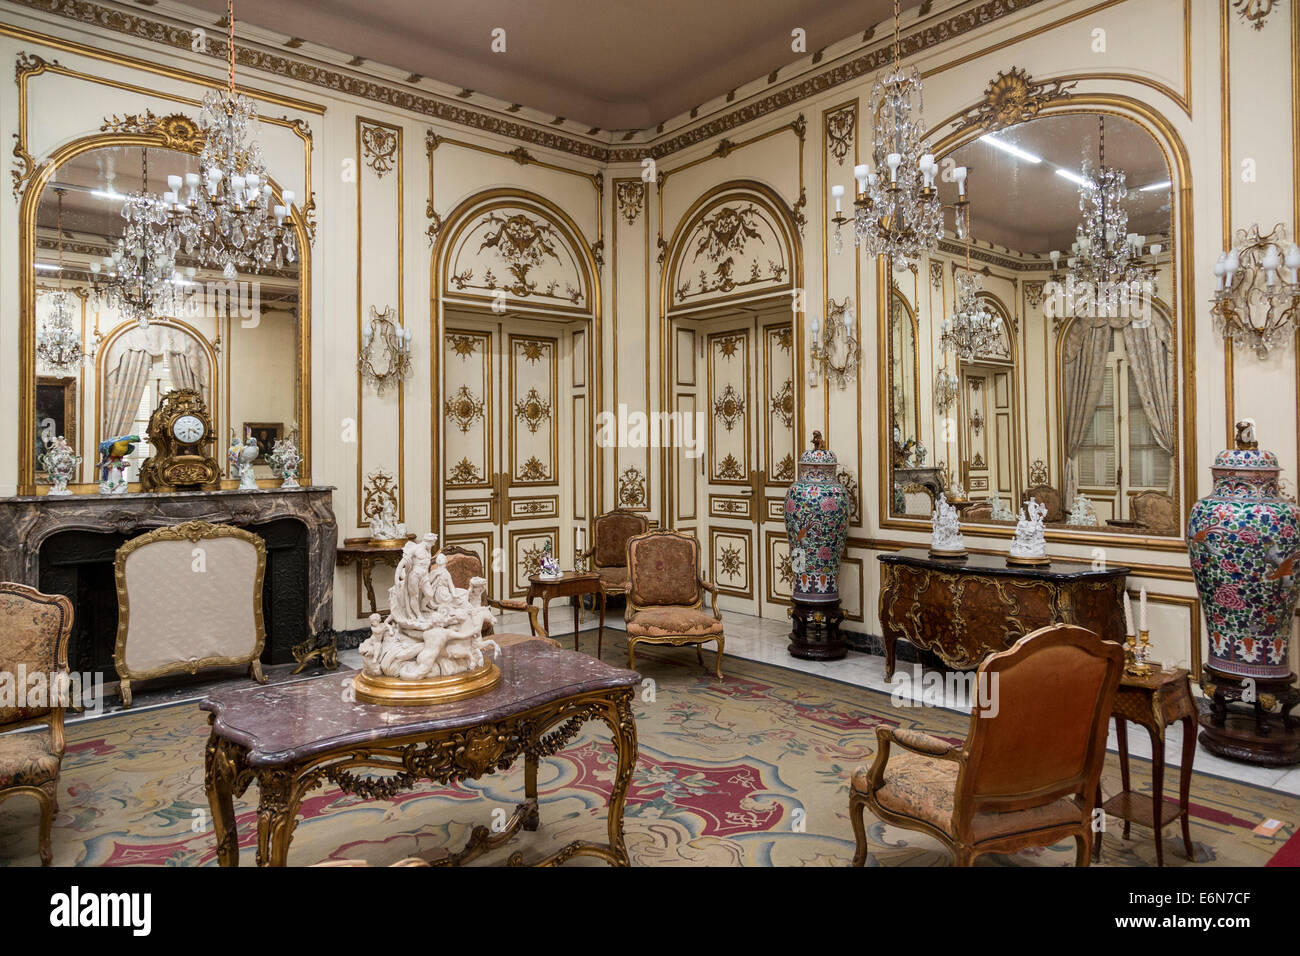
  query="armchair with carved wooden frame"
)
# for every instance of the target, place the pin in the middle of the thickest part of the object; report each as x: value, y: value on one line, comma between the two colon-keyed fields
x: 665, y: 598
x: 462, y: 565
x: 610, y: 533
x: 1027, y: 772
x: 34, y: 633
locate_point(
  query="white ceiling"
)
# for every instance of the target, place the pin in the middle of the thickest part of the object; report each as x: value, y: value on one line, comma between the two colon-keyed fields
x: 611, y: 64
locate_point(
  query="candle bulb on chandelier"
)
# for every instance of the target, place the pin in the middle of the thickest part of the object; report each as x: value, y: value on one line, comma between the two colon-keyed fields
x: 959, y: 174
x: 838, y: 193
x: 1293, y: 263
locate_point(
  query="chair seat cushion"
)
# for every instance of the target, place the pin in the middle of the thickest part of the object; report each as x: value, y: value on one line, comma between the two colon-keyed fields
x: 615, y: 578
x: 510, y: 640
x: 673, y: 622
x: 922, y: 788
x: 27, y: 759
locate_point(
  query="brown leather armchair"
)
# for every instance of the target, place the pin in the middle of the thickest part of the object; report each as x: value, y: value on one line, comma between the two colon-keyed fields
x: 462, y: 565
x: 665, y: 598
x: 1048, y: 496
x: 610, y: 534
x: 1027, y: 773
x: 34, y: 632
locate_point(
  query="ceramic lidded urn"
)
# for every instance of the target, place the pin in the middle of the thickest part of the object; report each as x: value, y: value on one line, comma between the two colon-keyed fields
x: 817, y: 510
x: 1243, y: 539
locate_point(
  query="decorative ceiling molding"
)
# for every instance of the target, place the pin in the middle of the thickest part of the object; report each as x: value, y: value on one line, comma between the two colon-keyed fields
x: 177, y: 37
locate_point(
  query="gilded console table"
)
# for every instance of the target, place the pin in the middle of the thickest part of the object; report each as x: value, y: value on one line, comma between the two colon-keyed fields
x: 965, y: 609
x: 292, y: 738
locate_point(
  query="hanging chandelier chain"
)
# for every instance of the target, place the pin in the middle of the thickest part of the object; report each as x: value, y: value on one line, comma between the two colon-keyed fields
x: 230, y: 43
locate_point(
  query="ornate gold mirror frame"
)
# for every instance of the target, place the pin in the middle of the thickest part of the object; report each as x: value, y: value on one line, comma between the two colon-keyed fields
x: 174, y: 132
x: 1014, y: 98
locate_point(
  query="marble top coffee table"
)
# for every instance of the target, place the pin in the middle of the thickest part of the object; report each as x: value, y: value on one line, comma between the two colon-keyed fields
x: 293, y: 738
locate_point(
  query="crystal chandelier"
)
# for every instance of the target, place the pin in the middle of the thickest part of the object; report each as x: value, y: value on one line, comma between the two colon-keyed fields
x: 226, y: 218
x: 897, y: 212
x: 1104, y: 254
x: 58, y: 343
x: 972, y: 330
x: 945, y: 388
x: 138, y: 278
x: 1251, y: 306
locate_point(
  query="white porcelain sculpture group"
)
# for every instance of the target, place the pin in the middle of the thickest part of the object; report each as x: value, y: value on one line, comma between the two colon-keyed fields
x: 1029, y: 543
x: 1081, y: 514
x: 431, y: 646
x: 945, y: 538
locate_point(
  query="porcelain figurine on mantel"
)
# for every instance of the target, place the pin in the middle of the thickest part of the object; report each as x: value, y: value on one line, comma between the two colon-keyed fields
x: 817, y: 510
x: 112, y: 463
x: 241, y: 456
x: 284, y: 460
x: 61, y: 462
x: 1243, y: 541
x: 431, y: 647
x: 945, y: 539
x: 1029, y: 543
x: 1082, y: 514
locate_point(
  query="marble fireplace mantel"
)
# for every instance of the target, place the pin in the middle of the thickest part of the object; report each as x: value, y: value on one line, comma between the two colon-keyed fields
x: 27, y: 521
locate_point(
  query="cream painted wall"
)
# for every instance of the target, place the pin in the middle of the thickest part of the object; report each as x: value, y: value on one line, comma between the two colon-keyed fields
x: 1161, y: 63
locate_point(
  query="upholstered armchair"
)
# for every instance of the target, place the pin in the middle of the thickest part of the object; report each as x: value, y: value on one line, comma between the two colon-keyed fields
x: 1154, y: 512
x: 1048, y: 496
x: 1027, y: 772
x: 665, y: 599
x: 34, y: 632
x: 980, y: 511
x: 463, y: 565
x: 610, y: 534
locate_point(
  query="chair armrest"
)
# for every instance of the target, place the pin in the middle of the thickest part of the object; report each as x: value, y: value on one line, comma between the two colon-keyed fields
x: 919, y: 742
x: 712, y: 589
x: 510, y: 604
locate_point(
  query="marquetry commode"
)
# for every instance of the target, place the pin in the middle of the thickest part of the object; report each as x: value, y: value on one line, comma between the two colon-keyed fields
x: 967, y: 608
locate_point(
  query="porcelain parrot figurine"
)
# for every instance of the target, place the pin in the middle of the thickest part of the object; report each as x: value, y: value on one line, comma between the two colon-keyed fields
x: 112, y: 452
x: 241, y: 456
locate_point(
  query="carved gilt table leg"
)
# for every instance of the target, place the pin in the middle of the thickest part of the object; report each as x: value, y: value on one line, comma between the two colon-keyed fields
x: 220, y: 767
x: 277, y: 815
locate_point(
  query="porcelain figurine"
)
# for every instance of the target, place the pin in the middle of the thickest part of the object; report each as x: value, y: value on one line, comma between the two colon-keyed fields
x: 945, y: 538
x: 1029, y: 543
x: 61, y: 462
x: 1001, y: 512
x: 434, y: 629
x: 1082, y: 514
x: 817, y: 510
x: 385, y: 526
x: 548, y: 567
x: 112, y: 463
x: 1243, y: 539
x: 241, y: 456
x: 284, y: 460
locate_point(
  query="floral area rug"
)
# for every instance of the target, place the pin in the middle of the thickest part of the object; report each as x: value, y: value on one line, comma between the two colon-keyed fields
x: 752, y: 770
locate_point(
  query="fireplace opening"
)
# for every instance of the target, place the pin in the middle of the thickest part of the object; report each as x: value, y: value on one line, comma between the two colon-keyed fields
x: 79, y: 564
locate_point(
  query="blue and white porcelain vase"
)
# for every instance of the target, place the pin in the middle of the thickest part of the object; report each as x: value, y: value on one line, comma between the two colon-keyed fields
x: 817, y: 510
x: 1243, y: 539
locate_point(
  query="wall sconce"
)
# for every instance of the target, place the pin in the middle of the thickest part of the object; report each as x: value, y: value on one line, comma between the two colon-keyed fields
x: 385, y: 349
x: 1253, y: 304
x: 945, y: 388
x: 837, y: 338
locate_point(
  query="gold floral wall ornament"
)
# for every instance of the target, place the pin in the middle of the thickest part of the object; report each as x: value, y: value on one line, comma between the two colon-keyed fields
x: 785, y: 569
x: 533, y: 410
x: 840, y: 127
x: 936, y: 274
x: 464, y: 408
x: 1038, y: 472
x: 630, y: 194
x: 631, y: 488
x: 976, y: 422
x: 531, y: 558
x: 464, y: 472
x: 784, y: 469
x: 850, y: 484
x: 379, y: 148
x: 729, y: 344
x: 729, y: 407
x: 1255, y: 12
x: 463, y: 345
x: 379, y: 496
x: 385, y: 358
x: 533, y: 350
x: 523, y: 243
x: 533, y: 470
x: 1013, y: 97
x: 1034, y: 293
x: 729, y: 469
x: 782, y: 403
x: 730, y: 561
x: 728, y: 230
x: 176, y: 130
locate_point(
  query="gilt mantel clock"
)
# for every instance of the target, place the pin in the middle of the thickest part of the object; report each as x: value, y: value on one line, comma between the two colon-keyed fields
x: 181, y: 434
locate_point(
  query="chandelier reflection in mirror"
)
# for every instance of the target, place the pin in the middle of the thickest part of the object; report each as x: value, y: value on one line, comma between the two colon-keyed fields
x: 897, y: 212
x: 972, y: 330
x: 58, y: 343
x: 1105, y: 255
x: 945, y: 388
x: 139, y: 278
x: 385, y: 357
x: 837, y: 339
x: 1257, y: 290
x: 226, y: 218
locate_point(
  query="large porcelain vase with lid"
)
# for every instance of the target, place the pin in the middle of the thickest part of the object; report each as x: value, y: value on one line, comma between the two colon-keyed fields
x: 817, y: 510
x: 1243, y: 540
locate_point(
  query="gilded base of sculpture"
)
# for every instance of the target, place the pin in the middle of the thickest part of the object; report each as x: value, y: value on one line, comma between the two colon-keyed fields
x: 377, y: 689
x: 1014, y: 561
x: 388, y: 542
x: 949, y: 554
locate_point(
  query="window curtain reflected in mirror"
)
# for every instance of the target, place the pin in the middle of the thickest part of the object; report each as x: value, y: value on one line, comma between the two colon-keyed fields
x: 1151, y: 369
x: 1086, y: 348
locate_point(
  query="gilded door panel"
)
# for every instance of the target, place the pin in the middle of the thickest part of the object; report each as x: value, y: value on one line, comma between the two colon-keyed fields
x: 730, y: 447
x: 467, y: 409
x: 533, y: 432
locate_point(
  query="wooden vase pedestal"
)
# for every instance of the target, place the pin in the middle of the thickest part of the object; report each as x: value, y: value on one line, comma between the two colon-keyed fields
x: 1243, y: 724
x: 815, y: 635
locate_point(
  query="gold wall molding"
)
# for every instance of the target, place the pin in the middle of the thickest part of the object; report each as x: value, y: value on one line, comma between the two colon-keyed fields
x: 629, y: 197
x: 1255, y: 12
x: 380, y: 146
x: 1013, y: 97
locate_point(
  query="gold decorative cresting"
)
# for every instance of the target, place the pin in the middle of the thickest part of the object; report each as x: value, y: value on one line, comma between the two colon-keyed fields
x: 377, y: 689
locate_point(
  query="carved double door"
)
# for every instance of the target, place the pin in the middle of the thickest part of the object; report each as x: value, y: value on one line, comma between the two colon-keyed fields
x: 509, y: 489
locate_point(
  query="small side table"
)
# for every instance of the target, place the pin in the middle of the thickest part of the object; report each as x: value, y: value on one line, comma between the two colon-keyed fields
x: 366, y: 554
x: 571, y: 584
x: 1154, y: 702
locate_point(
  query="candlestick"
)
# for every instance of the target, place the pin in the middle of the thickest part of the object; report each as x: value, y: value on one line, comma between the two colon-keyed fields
x: 1142, y: 610
x: 1128, y: 615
